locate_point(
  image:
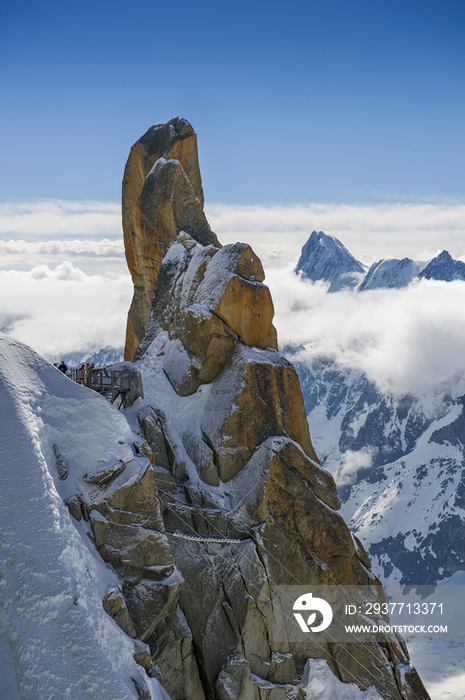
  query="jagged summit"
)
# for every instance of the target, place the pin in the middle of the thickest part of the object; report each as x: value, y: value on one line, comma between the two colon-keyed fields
x: 325, y: 258
x: 174, y: 526
x: 444, y: 267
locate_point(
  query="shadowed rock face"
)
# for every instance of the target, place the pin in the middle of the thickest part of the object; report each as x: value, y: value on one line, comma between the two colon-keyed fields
x: 162, y: 195
x: 224, y: 414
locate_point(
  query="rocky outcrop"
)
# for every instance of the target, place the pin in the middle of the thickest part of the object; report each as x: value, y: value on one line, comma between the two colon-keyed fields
x: 237, y: 507
x: 123, y: 509
x: 208, y: 300
x: 162, y: 195
x: 256, y: 396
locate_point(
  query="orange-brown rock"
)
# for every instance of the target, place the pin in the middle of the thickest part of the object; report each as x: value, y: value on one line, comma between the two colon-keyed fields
x: 128, y: 527
x: 208, y: 299
x: 304, y: 543
x: 162, y: 195
x: 257, y: 395
x: 292, y: 503
x: 233, y: 290
x: 320, y: 481
x: 206, y: 336
x: 247, y: 308
x: 211, y: 323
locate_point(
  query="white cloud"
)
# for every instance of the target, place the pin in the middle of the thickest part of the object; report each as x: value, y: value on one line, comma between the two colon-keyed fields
x: 50, y: 231
x: 405, y: 340
x: 277, y: 232
x: 23, y: 248
x: 369, y: 231
x: 63, y: 310
x: 105, y: 257
x: 53, y: 218
x: 63, y: 286
x: 351, y: 463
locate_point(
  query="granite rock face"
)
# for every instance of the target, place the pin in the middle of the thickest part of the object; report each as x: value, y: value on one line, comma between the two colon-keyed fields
x: 237, y: 505
x: 208, y: 300
x: 162, y: 195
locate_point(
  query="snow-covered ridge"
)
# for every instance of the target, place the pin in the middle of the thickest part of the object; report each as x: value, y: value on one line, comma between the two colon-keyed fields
x: 444, y: 267
x: 57, y: 640
x: 100, y: 357
x: 325, y: 258
x: 391, y: 274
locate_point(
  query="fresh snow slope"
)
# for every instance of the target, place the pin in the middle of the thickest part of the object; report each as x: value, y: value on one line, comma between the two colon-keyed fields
x: 52, y: 625
x: 320, y: 683
x: 441, y: 667
x: 399, y: 465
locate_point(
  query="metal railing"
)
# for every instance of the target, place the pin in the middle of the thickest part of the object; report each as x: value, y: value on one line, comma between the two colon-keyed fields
x: 108, y: 382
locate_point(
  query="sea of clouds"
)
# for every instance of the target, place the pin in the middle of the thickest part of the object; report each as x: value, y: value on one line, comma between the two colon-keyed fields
x: 405, y: 340
x: 370, y: 232
x: 64, y: 284
x: 47, y: 219
x: 62, y: 309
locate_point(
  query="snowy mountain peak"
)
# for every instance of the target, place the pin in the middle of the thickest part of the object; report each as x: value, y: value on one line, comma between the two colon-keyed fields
x: 391, y: 273
x: 444, y: 267
x: 101, y: 357
x: 325, y: 258
x: 325, y: 240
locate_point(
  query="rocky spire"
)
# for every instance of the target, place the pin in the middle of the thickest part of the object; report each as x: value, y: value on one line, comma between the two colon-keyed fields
x: 243, y: 503
x: 162, y: 195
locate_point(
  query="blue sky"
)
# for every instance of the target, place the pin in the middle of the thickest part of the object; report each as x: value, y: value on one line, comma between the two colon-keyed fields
x: 338, y: 115
x: 334, y: 101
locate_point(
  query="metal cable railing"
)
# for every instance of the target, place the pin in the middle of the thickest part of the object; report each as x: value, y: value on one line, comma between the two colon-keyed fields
x: 110, y: 383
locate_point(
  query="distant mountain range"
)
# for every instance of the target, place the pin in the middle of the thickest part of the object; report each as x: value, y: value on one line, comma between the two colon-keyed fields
x: 399, y: 464
x: 101, y: 357
x: 398, y: 460
x: 324, y: 258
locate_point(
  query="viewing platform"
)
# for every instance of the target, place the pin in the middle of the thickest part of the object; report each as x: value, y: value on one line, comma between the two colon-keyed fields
x: 117, y: 381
